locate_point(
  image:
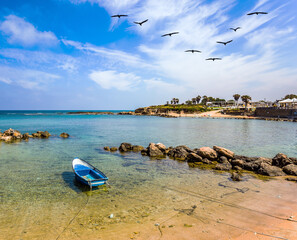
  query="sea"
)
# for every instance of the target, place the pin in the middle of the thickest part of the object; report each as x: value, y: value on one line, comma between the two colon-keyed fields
x: 39, y: 194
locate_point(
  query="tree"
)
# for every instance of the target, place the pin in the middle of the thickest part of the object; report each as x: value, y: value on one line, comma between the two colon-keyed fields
x: 204, y: 100
x: 189, y: 102
x: 194, y: 100
x: 236, y: 98
x: 246, y: 99
x: 290, y: 96
x: 198, y: 98
x: 177, y: 100
x: 171, y: 101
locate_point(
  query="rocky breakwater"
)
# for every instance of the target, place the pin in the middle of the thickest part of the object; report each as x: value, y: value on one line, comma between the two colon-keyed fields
x: 219, y: 158
x: 11, y: 135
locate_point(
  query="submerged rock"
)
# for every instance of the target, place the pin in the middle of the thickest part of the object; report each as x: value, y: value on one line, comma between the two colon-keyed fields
x: 44, y: 134
x: 113, y: 149
x: 236, y: 176
x: 224, y: 166
x: 137, y: 148
x: 106, y: 148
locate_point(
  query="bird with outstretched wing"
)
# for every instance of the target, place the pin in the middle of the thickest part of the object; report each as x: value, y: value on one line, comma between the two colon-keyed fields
x: 235, y: 29
x: 225, y: 43
x: 193, y: 51
x: 140, y: 23
x: 169, y: 34
x: 213, y: 59
x: 119, y: 15
x: 257, y: 13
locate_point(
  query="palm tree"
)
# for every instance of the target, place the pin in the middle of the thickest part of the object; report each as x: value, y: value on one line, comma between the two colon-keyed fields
x: 177, y: 100
x: 204, y: 100
x: 198, y: 98
x: 194, y: 100
x: 246, y: 99
x: 189, y: 102
x: 236, y: 98
x: 171, y: 101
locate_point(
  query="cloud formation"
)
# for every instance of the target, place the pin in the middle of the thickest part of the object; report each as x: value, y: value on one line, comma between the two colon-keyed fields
x: 21, y: 32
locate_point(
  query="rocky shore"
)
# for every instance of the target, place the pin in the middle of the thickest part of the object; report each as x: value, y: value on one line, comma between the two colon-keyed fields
x: 218, y: 158
x: 11, y: 135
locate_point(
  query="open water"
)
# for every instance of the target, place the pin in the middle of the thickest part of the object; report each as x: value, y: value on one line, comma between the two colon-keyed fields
x: 37, y: 186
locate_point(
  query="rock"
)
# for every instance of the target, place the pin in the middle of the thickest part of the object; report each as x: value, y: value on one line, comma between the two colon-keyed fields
x: 207, y: 152
x: 7, y: 139
x: 36, y: 135
x: 281, y: 160
x: 222, y: 159
x: 236, y: 176
x: 245, y: 158
x: 162, y: 147
x: 137, y: 148
x: 113, y: 149
x: 206, y: 161
x: 193, y: 157
x: 179, y: 152
x: 224, y: 166
x: 237, y: 162
x: 293, y: 160
x: 125, y: 147
x: 290, y: 169
x: 255, y: 164
x: 154, y: 151
x: 224, y: 152
x: 144, y: 152
x: 237, y: 168
x: 293, y: 179
x: 64, y: 135
x: 268, y: 170
x: 26, y: 136
x: 106, y: 148
x: 44, y: 134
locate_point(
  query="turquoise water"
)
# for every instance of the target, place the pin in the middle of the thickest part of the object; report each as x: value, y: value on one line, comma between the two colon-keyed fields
x: 38, y: 172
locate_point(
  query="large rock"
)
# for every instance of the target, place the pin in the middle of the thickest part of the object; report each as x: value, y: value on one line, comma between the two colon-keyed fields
x: 44, y: 134
x: 125, y: 147
x: 7, y: 139
x: 268, y: 170
x: 207, y: 152
x: 255, y: 164
x: 179, y: 152
x: 237, y: 162
x: 224, y: 152
x: 281, y: 160
x: 154, y: 151
x: 290, y: 169
x: 193, y: 157
x: 26, y: 136
x: 161, y: 146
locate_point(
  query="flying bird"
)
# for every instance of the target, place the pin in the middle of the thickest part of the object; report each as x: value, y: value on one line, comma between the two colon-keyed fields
x: 225, y: 43
x: 235, y: 29
x: 213, y: 59
x: 193, y: 51
x: 257, y: 13
x: 169, y: 34
x: 140, y: 23
x: 120, y: 15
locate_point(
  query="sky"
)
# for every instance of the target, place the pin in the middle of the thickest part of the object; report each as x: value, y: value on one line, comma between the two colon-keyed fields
x: 70, y: 54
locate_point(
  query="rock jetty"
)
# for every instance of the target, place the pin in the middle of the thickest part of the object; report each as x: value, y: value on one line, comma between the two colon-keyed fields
x: 218, y: 158
x: 12, y: 135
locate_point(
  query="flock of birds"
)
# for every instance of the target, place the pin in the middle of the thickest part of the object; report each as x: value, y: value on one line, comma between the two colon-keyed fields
x: 192, y: 50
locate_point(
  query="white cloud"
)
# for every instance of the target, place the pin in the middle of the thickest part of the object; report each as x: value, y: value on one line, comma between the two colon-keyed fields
x: 25, y: 34
x: 27, y: 78
x: 112, y: 79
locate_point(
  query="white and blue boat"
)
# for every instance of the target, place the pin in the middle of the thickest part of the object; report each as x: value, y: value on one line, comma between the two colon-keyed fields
x: 88, y: 174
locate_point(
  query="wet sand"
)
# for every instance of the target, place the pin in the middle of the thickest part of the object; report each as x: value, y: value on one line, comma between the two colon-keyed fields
x: 243, y: 210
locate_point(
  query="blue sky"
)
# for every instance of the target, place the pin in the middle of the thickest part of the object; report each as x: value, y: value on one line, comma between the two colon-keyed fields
x: 70, y: 54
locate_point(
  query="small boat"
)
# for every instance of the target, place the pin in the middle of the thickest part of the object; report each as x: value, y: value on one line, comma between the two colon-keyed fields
x: 88, y: 174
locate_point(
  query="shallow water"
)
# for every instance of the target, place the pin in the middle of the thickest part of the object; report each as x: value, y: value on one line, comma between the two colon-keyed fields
x: 38, y: 190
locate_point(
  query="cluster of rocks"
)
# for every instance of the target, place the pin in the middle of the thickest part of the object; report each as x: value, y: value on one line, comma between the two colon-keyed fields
x: 11, y: 135
x: 218, y: 158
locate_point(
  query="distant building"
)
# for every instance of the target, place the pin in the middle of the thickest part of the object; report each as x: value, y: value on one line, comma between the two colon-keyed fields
x: 288, y: 103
